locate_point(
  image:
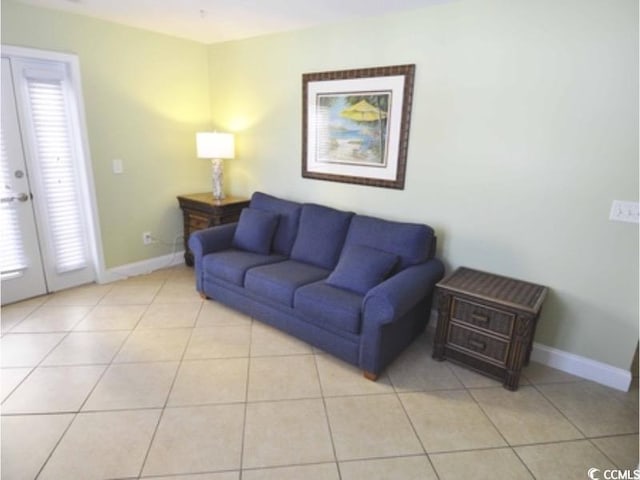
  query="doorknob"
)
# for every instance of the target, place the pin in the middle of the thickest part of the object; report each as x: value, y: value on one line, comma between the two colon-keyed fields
x: 21, y: 197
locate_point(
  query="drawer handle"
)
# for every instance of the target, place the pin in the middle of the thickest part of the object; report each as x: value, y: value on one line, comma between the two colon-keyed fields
x: 478, y: 345
x: 478, y: 317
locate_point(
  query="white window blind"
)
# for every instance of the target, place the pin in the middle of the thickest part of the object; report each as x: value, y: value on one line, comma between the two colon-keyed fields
x: 12, y: 257
x: 54, y: 156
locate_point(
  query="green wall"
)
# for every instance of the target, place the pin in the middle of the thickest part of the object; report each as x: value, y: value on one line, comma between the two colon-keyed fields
x: 524, y: 129
x: 145, y: 97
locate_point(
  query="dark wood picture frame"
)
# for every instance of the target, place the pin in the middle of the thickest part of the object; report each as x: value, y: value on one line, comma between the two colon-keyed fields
x: 355, y: 125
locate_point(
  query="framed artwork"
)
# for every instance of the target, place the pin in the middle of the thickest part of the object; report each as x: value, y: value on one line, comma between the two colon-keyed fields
x: 355, y: 125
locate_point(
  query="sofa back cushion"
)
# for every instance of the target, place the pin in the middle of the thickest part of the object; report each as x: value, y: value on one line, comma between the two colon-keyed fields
x: 321, y: 235
x: 288, y: 218
x: 413, y: 243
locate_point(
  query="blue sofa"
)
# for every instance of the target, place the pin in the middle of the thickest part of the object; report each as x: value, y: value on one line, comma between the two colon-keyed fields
x: 355, y: 286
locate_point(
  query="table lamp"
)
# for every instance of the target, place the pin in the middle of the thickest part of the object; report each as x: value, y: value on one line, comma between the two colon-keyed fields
x: 216, y: 146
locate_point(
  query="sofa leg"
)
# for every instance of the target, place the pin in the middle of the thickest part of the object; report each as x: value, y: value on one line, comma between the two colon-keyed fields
x: 203, y: 296
x: 370, y: 376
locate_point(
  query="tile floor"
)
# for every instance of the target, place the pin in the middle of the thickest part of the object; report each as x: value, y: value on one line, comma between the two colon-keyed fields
x: 143, y: 379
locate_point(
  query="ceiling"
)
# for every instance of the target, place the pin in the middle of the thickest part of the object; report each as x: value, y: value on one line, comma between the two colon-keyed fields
x: 211, y: 21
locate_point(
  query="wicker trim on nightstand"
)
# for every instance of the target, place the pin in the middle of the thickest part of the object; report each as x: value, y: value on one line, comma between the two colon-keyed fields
x: 496, y: 288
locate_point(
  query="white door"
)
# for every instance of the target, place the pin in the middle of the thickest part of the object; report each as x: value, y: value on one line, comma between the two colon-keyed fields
x: 42, y: 134
x: 21, y: 265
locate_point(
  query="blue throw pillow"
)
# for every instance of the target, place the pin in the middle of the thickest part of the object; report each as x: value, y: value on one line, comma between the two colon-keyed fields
x: 255, y: 230
x: 361, y: 268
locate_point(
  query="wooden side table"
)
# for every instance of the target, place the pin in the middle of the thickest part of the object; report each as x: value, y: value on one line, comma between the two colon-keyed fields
x: 487, y: 322
x: 200, y: 210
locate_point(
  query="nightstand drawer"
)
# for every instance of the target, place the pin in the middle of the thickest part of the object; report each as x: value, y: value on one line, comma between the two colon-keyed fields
x: 201, y: 210
x: 478, y: 344
x: 483, y: 317
x: 197, y: 223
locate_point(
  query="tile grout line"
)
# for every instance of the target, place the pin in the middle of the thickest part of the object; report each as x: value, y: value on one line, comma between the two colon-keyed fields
x: 553, y: 404
x: 508, y: 444
x: 503, y: 447
x: 586, y: 437
x: 515, y: 452
x: 175, y: 376
x: 67, y: 333
x: 246, y: 403
x: 535, y: 386
x: 32, y: 369
x: 280, y: 466
x: 34, y: 309
x: 46, y: 355
x: 506, y: 441
x: 107, y: 366
x: 326, y: 416
x: 75, y: 415
x: 595, y: 445
x: 415, y: 431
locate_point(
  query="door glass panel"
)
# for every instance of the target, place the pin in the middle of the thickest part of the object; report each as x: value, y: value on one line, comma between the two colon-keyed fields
x: 57, y: 173
x: 12, y: 257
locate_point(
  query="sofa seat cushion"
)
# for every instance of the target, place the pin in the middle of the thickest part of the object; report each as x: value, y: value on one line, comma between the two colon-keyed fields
x: 361, y: 268
x: 278, y: 282
x: 232, y: 265
x: 330, y: 307
x: 255, y: 230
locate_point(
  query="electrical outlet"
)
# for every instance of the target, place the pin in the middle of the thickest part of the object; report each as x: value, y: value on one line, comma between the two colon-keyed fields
x: 622, y: 211
x: 147, y: 239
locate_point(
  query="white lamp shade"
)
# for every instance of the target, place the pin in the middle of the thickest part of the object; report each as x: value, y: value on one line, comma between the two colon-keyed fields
x: 215, y: 145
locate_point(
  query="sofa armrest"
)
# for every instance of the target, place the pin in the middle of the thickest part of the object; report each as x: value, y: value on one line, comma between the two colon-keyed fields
x: 397, y: 295
x: 394, y: 313
x: 212, y: 239
x: 208, y: 241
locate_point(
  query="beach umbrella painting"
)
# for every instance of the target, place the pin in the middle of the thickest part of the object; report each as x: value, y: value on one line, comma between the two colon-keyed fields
x: 363, y: 111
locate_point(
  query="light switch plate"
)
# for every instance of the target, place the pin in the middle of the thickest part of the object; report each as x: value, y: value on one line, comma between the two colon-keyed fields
x: 623, y: 211
x: 117, y: 166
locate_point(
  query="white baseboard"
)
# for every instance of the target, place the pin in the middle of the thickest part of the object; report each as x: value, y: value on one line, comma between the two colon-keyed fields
x: 583, y: 367
x: 142, y: 267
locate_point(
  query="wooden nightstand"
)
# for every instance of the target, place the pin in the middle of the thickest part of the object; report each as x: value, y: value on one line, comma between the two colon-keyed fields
x: 200, y: 210
x: 487, y: 322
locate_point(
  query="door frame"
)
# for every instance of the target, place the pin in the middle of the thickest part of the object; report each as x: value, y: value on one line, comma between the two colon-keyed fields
x: 87, y: 183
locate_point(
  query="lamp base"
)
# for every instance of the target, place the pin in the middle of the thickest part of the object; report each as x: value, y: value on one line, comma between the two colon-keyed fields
x: 217, y: 179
